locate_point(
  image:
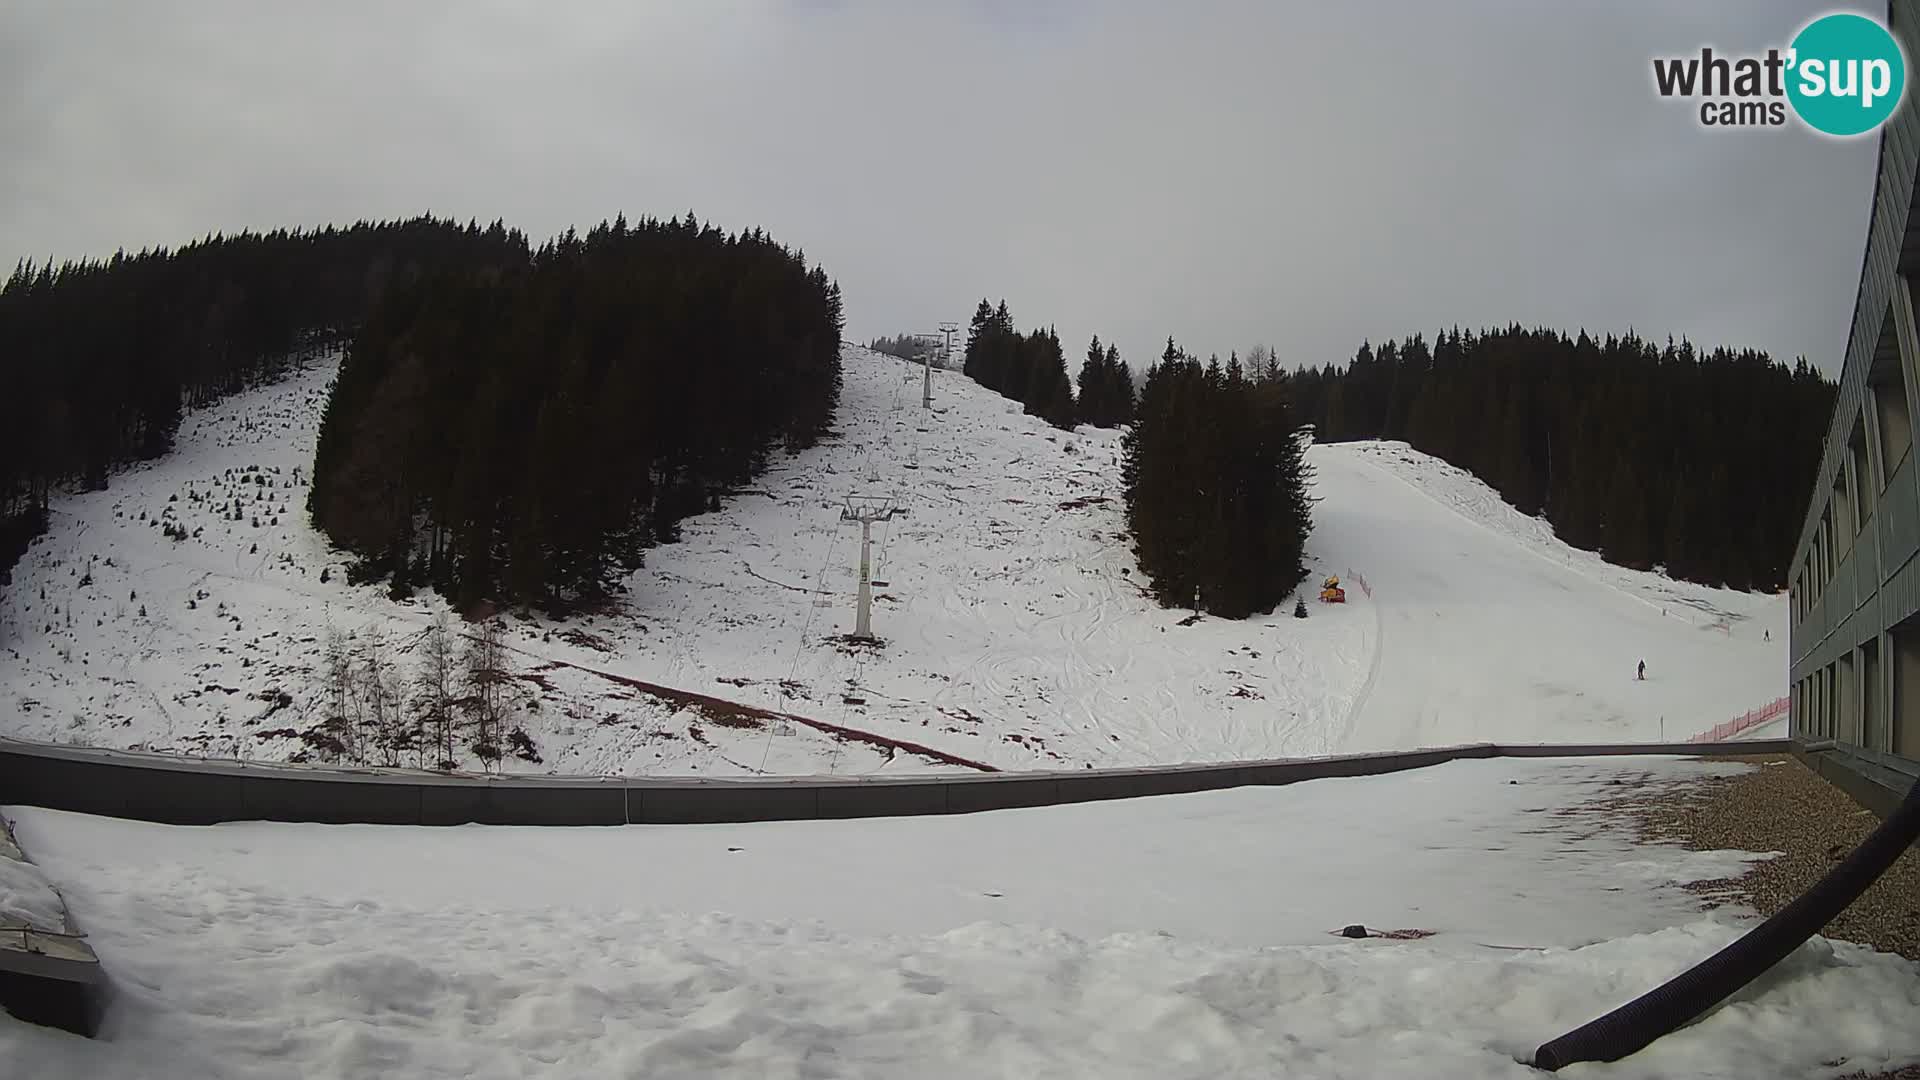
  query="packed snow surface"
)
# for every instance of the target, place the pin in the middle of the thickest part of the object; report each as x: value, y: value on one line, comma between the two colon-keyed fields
x: 27, y: 899
x: 1181, y: 936
x: 1017, y: 632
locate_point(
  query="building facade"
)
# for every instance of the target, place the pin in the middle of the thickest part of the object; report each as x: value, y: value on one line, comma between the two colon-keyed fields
x: 1855, y: 588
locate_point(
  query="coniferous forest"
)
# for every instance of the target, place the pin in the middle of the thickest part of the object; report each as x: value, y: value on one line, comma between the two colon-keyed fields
x: 1701, y: 462
x: 1028, y: 368
x: 526, y: 433
x: 912, y: 347
x: 905, y: 347
x: 100, y: 357
x: 1216, y: 487
x: 1106, y: 387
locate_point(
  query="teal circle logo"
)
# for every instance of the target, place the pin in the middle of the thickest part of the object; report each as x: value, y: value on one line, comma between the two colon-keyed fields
x: 1846, y: 74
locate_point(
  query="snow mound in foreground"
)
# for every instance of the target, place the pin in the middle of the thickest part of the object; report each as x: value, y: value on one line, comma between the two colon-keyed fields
x: 313, y: 988
x: 1180, y: 936
x: 27, y: 899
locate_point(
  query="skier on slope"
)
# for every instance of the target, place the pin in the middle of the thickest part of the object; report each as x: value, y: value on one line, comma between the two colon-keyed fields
x: 1643, y: 671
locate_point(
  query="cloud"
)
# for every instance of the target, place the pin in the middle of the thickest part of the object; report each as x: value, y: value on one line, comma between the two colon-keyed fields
x: 1223, y: 172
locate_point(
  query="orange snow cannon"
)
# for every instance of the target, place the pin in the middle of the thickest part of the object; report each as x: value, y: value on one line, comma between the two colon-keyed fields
x: 1331, y: 592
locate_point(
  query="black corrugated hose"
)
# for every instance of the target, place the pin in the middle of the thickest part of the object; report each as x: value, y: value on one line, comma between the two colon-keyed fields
x: 1632, y: 1026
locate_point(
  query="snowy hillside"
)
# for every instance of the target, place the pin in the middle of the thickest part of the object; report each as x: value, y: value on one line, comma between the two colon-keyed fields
x: 1193, y: 937
x: 1016, y: 630
x: 1493, y: 630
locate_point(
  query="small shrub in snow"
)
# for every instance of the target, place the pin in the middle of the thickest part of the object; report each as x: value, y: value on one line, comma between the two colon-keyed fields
x: 522, y: 745
x: 488, y: 752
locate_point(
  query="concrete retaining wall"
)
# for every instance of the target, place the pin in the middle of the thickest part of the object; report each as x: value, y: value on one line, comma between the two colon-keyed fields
x: 204, y: 791
x: 1875, y: 780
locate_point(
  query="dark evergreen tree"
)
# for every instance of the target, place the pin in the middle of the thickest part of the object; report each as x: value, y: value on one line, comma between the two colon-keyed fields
x: 1215, y: 487
x: 1093, y: 382
x: 1118, y: 400
x: 1106, y: 387
x: 527, y: 433
x: 102, y: 357
x: 1049, y: 395
x: 1028, y: 368
x: 910, y: 347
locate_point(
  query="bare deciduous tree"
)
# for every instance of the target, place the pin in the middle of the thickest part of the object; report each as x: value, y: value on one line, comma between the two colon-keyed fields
x: 340, y: 702
x: 486, y: 675
x: 385, y: 720
x: 1263, y: 363
x: 433, y: 692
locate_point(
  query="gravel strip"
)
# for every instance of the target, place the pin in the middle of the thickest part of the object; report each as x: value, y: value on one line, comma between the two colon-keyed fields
x: 1781, y: 806
x: 1911, y: 1072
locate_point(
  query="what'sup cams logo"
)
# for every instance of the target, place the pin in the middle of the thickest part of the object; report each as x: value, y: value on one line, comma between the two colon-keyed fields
x: 1842, y: 75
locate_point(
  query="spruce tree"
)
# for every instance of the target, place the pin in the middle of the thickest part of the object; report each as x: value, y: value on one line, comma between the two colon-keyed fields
x: 1216, y: 488
x: 974, y: 364
x: 1095, y: 386
x: 1119, y: 392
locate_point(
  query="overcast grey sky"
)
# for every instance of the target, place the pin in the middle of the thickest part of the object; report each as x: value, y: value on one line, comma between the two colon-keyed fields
x: 1305, y: 175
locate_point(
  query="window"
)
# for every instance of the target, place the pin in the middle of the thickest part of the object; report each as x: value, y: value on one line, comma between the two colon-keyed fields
x: 1826, y: 702
x: 1903, y: 719
x: 1873, y: 719
x: 1843, y: 523
x: 1846, y: 701
x: 1888, y: 381
x: 1864, y: 482
x: 1826, y: 548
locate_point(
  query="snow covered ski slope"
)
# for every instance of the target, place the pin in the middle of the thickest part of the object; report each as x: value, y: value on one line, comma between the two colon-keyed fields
x: 1490, y: 629
x: 1017, y: 632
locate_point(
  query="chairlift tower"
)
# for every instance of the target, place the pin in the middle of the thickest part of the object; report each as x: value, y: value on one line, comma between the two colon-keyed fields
x: 926, y: 375
x: 947, y: 330
x: 866, y: 509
